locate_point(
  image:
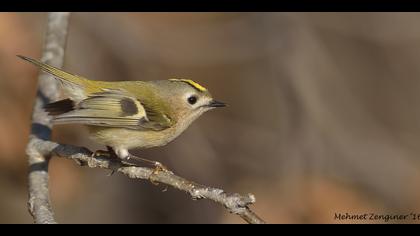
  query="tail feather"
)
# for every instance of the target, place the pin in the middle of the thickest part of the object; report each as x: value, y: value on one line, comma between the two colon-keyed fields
x: 76, y: 87
x: 59, y: 107
x: 58, y: 73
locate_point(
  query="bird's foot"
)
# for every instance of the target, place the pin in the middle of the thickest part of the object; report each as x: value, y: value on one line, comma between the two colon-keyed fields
x: 101, y: 153
x: 109, y: 153
x: 158, y: 166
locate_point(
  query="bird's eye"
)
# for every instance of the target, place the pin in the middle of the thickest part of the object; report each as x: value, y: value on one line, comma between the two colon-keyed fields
x: 192, y: 100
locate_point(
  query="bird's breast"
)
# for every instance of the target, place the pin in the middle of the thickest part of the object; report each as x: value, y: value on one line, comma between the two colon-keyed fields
x: 129, y: 138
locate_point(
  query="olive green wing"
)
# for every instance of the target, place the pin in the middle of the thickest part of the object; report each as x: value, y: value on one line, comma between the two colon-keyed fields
x: 112, y: 108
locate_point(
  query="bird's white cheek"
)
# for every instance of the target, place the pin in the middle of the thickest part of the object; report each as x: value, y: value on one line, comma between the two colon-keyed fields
x: 203, y: 110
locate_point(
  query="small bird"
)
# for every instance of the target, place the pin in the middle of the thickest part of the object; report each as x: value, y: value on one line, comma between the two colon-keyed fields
x: 128, y: 114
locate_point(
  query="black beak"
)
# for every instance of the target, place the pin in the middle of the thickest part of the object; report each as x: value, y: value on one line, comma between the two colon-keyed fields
x: 215, y: 103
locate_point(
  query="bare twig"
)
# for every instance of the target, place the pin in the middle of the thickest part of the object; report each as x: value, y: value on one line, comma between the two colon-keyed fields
x: 53, y: 54
x: 40, y: 149
x: 235, y: 203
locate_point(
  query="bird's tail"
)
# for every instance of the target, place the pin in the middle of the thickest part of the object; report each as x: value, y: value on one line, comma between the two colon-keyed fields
x: 59, y: 74
x: 76, y: 86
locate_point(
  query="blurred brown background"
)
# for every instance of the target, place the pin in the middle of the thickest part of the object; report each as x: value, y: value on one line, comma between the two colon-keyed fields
x: 323, y: 114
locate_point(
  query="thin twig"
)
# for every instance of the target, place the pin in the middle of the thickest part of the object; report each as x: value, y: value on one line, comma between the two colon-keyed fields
x: 234, y: 202
x: 53, y: 54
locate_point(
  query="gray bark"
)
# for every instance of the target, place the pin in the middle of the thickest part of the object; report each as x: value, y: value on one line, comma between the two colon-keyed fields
x: 39, y: 203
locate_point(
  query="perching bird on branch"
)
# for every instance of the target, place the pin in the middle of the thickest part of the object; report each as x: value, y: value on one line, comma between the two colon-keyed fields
x: 128, y: 114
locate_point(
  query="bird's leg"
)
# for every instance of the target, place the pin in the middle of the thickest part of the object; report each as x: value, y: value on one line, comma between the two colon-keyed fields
x: 158, y: 166
x: 100, y: 153
x: 123, y: 154
x: 110, y: 153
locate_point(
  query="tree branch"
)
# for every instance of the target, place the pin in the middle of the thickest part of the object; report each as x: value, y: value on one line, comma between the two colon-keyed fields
x: 40, y: 149
x: 235, y: 203
x: 53, y: 54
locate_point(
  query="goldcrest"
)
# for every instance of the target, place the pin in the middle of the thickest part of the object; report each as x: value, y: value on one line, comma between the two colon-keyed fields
x: 128, y: 114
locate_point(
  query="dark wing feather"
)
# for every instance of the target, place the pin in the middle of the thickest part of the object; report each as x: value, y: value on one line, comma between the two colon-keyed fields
x: 59, y: 107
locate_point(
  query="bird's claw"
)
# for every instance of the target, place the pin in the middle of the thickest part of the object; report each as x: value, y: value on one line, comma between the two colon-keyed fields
x: 101, y: 153
x: 159, y: 167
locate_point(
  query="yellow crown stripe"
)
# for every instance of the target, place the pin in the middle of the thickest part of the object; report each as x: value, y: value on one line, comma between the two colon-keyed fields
x: 192, y: 83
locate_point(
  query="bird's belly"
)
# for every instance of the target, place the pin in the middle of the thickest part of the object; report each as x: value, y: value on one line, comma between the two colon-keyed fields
x: 128, y: 138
